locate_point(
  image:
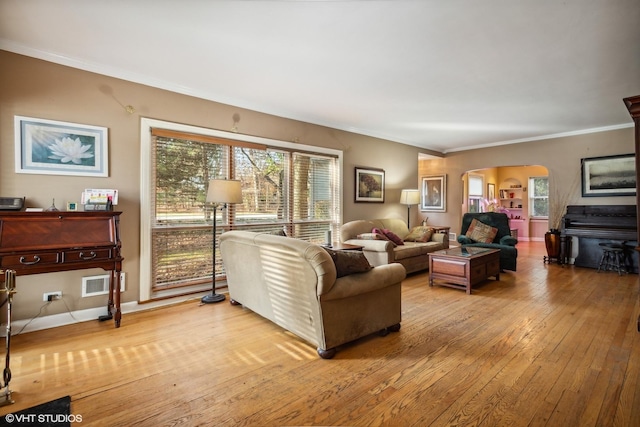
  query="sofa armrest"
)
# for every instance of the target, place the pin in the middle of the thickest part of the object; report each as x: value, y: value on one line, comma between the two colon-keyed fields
x: 462, y: 239
x: 373, y: 245
x: 360, y: 283
x: 441, y: 238
x: 508, y: 241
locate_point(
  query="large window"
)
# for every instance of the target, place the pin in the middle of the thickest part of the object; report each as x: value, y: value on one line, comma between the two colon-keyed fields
x: 282, y: 189
x: 539, y: 197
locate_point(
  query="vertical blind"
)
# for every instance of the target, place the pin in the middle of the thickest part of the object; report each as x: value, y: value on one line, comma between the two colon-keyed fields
x: 282, y: 190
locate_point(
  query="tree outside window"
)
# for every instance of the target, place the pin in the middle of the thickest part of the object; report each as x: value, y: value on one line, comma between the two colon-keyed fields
x: 539, y: 197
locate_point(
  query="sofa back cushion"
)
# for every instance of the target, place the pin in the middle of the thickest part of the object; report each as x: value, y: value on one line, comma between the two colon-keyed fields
x: 280, y: 278
x: 419, y: 234
x: 396, y: 226
x: 352, y: 229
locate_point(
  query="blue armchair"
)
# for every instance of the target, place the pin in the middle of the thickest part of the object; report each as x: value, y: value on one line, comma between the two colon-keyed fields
x: 502, y: 240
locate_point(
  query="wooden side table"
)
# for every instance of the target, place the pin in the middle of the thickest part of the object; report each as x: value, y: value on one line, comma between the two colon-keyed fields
x: 339, y: 246
x: 442, y: 229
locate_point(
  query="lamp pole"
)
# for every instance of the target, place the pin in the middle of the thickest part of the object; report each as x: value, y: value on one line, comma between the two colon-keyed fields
x: 220, y: 193
x: 213, y: 296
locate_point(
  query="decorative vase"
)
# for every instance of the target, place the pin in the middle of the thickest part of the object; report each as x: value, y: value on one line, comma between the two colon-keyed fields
x: 552, y: 243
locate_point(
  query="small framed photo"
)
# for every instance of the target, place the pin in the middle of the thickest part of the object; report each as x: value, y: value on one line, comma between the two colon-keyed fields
x: 72, y: 206
x: 369, y: 185
x: 51, y: 147
x: 434, y: 193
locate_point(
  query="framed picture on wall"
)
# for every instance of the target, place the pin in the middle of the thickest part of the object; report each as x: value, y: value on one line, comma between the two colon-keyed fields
x: 609, y: 176
x: 51, y: 147
x: 491, y: 191
x: 434, y: 193
x: 369, y: 185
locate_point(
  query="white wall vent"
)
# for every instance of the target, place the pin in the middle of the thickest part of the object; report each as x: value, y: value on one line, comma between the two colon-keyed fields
x: 452, y: 237
x: 98, y: 285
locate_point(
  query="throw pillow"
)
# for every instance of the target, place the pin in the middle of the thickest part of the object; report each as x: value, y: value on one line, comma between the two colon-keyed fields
x: 383, y: 236
x: 349, y: 262
x: 392, y: 236
x: 481, y: 232
x: 419, y: 234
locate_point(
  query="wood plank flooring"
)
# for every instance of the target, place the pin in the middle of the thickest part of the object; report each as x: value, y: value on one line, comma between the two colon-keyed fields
x: 545, y: 346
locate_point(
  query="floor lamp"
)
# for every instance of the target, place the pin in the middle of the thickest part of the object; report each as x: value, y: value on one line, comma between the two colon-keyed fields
x: 221, y: 192
x: 409, y: 198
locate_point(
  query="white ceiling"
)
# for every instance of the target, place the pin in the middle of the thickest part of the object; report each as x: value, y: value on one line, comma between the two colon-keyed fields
x: 442, y: 75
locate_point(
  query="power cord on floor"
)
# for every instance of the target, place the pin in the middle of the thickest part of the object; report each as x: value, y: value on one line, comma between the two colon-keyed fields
x: 33, y: 318
x: 40, y: 312
x: 68, y: 310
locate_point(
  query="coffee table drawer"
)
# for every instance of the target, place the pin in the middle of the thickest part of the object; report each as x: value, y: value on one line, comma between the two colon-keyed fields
x: 478, y: 270
x: 449, y: 267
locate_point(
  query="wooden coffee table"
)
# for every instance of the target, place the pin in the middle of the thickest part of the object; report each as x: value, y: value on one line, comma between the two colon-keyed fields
x: 463, y: 267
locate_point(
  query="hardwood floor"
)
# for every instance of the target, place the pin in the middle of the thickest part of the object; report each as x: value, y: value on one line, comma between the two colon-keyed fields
x: 546, y: 346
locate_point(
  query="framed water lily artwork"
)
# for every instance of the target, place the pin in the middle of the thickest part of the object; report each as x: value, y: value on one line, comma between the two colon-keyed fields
x: 51, y: 147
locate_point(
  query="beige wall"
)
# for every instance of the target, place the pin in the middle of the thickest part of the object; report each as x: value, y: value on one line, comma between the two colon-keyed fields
x: 560, y: 156
x: 35, y: 88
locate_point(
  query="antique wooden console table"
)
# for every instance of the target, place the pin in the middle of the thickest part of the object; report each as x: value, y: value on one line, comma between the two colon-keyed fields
x: 46, y: 242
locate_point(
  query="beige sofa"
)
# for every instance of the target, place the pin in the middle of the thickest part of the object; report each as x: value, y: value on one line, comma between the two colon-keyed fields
x: 412, y: 255
x: 294, y: 284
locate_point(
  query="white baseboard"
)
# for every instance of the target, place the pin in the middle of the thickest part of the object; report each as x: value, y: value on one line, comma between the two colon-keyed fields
x: 55, y: 320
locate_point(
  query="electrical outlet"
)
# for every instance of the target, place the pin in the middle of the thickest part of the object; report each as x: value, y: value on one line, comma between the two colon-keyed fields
x: 52, y: 296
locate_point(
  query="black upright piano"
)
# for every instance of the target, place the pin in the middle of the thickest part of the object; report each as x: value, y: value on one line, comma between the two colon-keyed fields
x: 595, y: 224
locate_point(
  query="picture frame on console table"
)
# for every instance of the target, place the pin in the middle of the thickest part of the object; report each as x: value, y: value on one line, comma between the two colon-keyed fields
x: 51, y: 147
x: 609, y: 176
x: 369, y: 185
x: 434, y: 193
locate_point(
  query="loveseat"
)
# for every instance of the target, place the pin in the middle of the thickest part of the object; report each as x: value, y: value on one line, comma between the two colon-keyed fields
x: 482, y: 235
x: 411, y: 254
x: 295, y: 284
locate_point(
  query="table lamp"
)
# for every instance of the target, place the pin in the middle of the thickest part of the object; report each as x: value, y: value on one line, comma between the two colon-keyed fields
x: 409, y: 198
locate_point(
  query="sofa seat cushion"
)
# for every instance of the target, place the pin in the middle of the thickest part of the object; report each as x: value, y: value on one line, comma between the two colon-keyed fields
x: 412, y: 249
x: 510, y: 250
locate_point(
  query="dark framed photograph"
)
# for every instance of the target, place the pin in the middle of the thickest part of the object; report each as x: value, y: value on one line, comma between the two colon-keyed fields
x: 434, y: 193
x: 52, y: 147
x: 369, y: 185
x: 609, y: 176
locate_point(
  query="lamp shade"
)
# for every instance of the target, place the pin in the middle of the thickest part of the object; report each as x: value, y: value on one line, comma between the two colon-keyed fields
x: 410, y: 197
x: 224, y: 191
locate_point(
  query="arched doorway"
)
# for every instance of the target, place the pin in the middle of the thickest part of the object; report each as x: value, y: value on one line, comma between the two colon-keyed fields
x: 508, y: 189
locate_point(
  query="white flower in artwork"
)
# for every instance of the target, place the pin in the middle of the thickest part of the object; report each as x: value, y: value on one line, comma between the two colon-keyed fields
x: 69, y: 150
